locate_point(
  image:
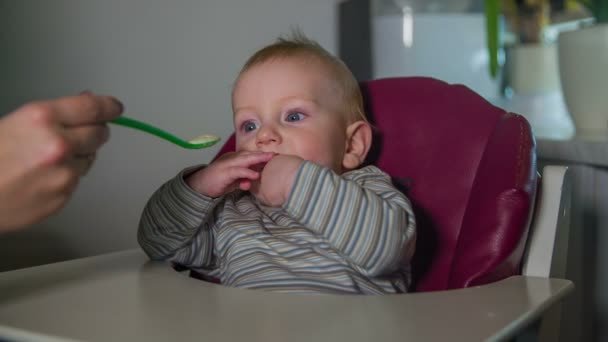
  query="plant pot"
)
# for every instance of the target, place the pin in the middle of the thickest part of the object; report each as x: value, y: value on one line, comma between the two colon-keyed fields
x: 583, y: 66
x: 532, y: 68
x: 531, y: 72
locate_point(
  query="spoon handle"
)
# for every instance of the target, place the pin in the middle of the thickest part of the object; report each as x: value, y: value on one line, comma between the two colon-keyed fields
x: 128, y: 122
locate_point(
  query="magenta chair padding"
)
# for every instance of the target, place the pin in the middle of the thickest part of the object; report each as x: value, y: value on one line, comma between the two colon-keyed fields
x: 469, y: 169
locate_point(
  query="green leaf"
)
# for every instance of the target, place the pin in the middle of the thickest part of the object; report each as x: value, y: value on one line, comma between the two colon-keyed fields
x: 492, y: 12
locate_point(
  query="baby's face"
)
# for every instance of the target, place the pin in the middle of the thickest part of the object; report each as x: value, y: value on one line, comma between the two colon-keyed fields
x: 290, y: 106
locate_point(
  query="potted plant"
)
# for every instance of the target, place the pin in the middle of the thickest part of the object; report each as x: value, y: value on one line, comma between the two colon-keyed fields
x: 529, y: 73
x: 583, y: 65
x: 530, y: 64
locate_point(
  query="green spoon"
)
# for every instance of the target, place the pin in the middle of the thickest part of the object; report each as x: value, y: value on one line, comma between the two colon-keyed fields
x: 203, y: 141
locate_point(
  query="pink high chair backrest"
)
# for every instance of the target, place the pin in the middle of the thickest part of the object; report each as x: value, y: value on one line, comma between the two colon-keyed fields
x: 469, y: 169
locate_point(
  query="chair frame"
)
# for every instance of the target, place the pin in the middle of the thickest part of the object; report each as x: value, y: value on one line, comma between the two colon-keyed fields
x: 547, y: 246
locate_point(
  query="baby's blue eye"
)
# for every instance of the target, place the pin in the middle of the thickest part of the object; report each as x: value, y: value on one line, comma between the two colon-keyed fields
x: 295, y: 116
x: 249, y: 126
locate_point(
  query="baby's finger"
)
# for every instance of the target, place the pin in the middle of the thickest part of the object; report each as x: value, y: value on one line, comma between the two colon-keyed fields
x: 242, y: 173
x: 251, y: 158
x: 244, y: 184
x: 230, y: 157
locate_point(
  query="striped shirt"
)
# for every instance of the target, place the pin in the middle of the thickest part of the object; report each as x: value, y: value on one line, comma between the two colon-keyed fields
x: 349, y: 233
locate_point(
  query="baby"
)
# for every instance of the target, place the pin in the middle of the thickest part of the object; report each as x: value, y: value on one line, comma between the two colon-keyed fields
x: 291, y: 210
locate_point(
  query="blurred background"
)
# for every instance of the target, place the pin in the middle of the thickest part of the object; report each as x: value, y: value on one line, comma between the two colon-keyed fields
x: 449, y: 40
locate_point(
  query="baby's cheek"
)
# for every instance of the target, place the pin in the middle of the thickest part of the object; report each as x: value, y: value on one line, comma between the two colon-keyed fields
x: 333, y: 160
x: 324, y: 158
x: 243, y: 143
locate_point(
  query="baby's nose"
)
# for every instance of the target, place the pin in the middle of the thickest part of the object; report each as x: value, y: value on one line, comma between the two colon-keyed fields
x: 268, y: 135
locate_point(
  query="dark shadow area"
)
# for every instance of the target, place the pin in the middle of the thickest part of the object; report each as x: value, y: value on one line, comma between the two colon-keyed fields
x: 426, y: 245
x: 354, y: 37
x: 588, y: 289
x: 32, y: 247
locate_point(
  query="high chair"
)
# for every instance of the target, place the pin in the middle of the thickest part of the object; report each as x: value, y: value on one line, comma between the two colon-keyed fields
x: 483, y: 212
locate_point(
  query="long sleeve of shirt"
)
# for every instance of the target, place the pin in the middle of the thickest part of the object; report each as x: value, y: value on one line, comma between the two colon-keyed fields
x: 176, y: 225
x: 360, y: 213
x: 349, y: 233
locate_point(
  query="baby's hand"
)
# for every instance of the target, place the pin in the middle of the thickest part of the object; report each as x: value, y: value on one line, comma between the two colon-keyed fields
x: 231, y: 171
x: 276, y: 181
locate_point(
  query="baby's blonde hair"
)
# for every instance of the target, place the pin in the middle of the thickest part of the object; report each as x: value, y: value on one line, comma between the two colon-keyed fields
x: 297, y: 44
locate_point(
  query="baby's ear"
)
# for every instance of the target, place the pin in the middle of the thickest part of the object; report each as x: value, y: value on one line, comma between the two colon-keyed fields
x: 358, y: 143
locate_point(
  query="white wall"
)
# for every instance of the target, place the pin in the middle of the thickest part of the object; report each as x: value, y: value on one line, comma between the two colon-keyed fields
x: 447, y: 46
x: 171, y: 63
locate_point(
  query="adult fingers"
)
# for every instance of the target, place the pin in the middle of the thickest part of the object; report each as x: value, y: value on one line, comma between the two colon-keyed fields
x: 81, y: 164
x: 84, y: 109
x: 84, y: 140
